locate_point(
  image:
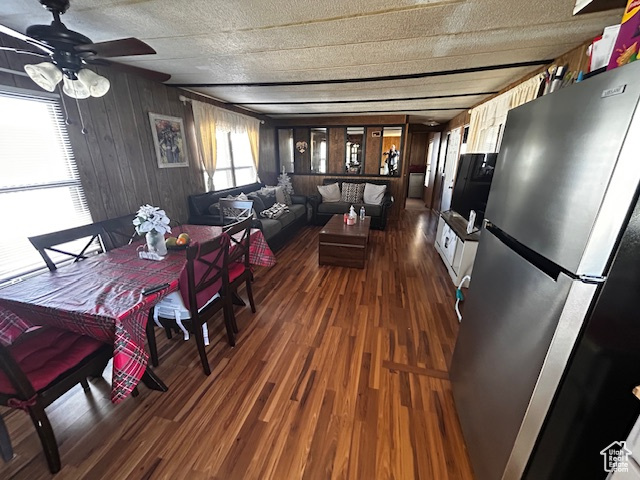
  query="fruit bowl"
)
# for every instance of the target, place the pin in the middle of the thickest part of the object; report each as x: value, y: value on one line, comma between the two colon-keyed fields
x: 180, y: 243
x: 178, y: 247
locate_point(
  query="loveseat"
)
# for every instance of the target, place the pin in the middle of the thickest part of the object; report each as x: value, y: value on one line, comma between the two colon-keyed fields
x: 323, y: 211
x: 203, y: 211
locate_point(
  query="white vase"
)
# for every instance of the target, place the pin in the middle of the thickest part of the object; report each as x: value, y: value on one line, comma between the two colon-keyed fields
x: 155, y: 243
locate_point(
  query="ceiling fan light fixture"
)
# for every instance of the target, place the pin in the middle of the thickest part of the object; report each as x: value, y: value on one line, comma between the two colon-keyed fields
x: 75, y: 89
x: 46, y: 75
x: 96, y: 84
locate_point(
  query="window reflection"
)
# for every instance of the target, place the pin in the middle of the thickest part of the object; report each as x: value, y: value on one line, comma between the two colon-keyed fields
x: 354, y: 150
x: 390, y: 160
x: 319, y: 150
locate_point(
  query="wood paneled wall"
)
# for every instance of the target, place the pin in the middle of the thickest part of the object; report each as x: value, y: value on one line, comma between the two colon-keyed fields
x: 418, y: 143
x: 268, y: 164
x: 373, y: 151
x: 337, y: 149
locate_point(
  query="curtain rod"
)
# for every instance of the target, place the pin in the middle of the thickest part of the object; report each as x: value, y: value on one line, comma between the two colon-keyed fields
x: 184, y: 100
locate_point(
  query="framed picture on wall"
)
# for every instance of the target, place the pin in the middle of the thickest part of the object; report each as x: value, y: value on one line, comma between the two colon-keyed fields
x: 170, y: 140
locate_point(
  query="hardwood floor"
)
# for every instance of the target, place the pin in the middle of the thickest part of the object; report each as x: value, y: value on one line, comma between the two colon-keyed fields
x: 341, y: 373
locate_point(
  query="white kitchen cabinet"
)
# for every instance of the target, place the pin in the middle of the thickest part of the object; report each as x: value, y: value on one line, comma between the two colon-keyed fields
x: 456, y: 247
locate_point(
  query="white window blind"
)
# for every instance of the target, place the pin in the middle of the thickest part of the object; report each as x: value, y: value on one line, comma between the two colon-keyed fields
x: 40, y: 189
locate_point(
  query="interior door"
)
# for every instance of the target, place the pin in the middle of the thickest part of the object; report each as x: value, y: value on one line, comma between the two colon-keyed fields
x: 453, y: 154
x: 437, y: 194
x: 432, y: 168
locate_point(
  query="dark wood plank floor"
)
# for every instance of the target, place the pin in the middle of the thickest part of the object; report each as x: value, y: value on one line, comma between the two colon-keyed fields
x: 342, y: 373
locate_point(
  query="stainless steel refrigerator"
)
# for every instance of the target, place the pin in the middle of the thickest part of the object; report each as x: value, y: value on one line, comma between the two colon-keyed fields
x: 549, y: 347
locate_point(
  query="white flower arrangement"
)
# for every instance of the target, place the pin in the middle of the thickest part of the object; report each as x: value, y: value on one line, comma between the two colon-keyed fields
x: 149, y: 219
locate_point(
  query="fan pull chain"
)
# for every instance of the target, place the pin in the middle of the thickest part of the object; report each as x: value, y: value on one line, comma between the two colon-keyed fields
x: 75, y: 96
x: 84, y: 129
x: 67, y: 120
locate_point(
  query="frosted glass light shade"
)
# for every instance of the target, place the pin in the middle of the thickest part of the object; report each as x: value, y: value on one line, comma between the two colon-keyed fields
x: 45, y: 74
x: 75, y: 89
x: 96, y: 84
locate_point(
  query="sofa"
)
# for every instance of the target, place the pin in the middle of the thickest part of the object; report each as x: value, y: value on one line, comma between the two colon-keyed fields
x: 323, y: 211
x: 276, y: 231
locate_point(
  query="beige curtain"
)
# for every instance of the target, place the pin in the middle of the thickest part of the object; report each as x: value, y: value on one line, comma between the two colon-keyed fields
x: 526, y: 91
x: 484, y: 127
x: 253, y: 130
x: 208, y: 120
x: 204, y: 116
x: 488, y: 119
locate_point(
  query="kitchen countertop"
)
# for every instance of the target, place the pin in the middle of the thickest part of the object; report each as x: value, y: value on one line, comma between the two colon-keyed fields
x: 459, y: 225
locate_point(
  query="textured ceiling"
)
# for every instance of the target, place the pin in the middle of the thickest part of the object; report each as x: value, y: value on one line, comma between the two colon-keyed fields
x: 244, y: 42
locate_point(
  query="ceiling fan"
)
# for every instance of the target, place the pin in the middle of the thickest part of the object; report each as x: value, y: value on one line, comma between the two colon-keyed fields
x: 69, y: 52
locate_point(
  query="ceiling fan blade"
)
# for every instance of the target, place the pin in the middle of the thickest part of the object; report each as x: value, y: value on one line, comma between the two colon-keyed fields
x: 31, y: 41
x: 123, y: 67
x: 117, y: 48
x: 25, y: 52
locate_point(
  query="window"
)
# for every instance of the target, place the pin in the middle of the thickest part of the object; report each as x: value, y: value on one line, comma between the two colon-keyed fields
x: 353, y: 150
x: 40, y: 189
x: 234, y: 163
x: 465, y: 139
x: 318, y: 150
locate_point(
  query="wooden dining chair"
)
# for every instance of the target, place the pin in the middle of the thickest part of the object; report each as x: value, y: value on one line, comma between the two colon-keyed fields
x: 118, y: 231
x: 56, y: 242
x: 39, y: 367
x: 239, y: 253
x: 205, y: 283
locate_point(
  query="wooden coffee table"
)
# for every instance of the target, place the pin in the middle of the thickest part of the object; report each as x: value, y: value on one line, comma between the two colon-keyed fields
x: 344, y: 245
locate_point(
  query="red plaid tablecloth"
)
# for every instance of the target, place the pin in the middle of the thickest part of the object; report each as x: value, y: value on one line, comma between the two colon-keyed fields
x: 101, y: 297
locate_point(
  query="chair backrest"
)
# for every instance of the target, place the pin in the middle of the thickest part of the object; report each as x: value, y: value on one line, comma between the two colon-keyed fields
x: 15, y: 375
x: 205, y: 273
x: 51, y: 242
x: 239, y: 238
x: 236, y: 210
x: 118, y: 231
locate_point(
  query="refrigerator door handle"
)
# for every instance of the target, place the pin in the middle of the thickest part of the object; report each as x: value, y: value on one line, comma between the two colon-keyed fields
x: 543, y: 264
x: 592, y: 279
x: 588, y: 279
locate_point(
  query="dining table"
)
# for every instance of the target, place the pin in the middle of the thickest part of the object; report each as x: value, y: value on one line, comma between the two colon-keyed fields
x: 102, y: 297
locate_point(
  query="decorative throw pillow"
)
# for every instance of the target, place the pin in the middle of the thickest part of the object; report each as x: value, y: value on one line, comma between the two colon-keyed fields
x: 258, y: 204
x: 352, y: 192
x: 279, y: 192
x: 267, y: 200
x: 374, y: 194
x: 330, y: 193
x: 275, y: 211
x: 267, y: 195
x: 214, y: 209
